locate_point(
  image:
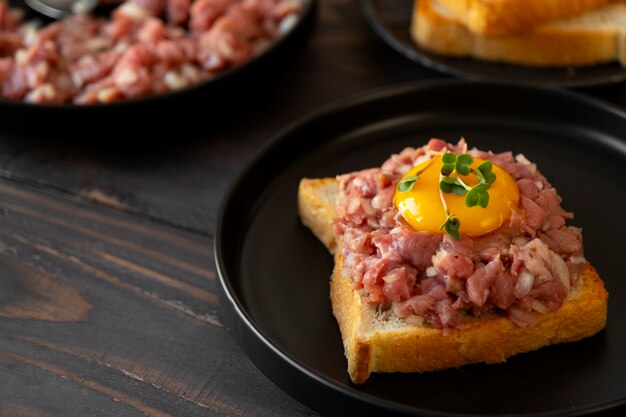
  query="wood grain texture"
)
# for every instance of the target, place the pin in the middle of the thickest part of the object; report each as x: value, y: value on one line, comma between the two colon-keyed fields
x: 104, y: 313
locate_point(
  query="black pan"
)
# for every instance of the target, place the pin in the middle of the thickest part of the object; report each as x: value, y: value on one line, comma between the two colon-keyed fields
x: 157, y: 114
x: 274, y: 273
x: 390, y: 20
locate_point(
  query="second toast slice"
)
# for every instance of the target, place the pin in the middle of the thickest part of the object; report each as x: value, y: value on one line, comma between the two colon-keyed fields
x: 506, y: 17
x: 594, y: 37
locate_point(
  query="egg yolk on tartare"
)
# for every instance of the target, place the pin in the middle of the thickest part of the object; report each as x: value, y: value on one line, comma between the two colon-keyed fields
x: 423, y: 209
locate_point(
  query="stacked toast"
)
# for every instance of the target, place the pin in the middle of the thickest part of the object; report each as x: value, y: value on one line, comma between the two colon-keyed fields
x: 537, y: 33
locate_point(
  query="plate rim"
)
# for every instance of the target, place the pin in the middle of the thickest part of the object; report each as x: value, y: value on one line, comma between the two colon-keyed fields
x: 419, y: 56
x: 233, y: 310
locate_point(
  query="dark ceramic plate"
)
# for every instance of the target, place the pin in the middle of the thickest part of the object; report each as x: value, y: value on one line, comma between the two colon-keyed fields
x: 274, y: 273
x: 390, y: 19
x: 220, y: 94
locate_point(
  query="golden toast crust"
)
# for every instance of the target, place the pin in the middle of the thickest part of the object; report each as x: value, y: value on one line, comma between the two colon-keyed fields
x: 490, y: 340
x: 545, y: 46
x: 316, y: 208
x: 506, y: 17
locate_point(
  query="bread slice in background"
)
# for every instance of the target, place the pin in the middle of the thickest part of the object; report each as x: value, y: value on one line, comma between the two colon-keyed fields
x: 593, y: 37
x: 379, y: 342
x: 506, y: 17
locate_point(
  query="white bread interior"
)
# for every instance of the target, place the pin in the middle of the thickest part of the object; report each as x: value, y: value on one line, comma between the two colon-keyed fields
x: 589, y: 38
x: 377, y: 342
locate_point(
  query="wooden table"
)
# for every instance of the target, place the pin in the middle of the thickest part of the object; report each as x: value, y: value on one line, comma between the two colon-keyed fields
x: 108, y: 288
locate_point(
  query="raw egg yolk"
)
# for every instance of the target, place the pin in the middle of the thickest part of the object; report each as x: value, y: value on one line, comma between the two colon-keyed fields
x: 422, y: 208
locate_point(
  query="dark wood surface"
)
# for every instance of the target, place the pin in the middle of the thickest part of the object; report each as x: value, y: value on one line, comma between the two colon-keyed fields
x: 108, y: 289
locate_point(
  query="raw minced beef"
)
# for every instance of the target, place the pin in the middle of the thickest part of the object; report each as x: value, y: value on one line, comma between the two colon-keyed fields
x: 145, y: 47
x: 526, y: 265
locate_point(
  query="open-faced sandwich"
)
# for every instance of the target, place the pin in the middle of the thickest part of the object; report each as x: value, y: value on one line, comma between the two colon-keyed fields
x: 446, y: 256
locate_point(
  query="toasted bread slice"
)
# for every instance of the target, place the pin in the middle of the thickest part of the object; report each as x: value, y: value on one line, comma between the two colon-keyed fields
x: 316, y: 206
x: 506, y: 17
x: 379, y: 342
x: 591, y: 38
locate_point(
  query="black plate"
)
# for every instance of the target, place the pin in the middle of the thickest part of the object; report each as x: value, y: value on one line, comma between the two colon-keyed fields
x: 224, y: 93
x: 390, y: 19
x: 274, y: 273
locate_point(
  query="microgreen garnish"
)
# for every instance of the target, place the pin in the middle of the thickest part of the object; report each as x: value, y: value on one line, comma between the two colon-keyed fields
x: 476, y: 195
x: 452, y: 225
x: 451, y: 185
x: 407, y: 183
x: 451, y: 163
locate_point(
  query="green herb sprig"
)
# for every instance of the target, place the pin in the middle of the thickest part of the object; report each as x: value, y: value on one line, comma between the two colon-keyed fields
x: 452, y: 226
x: 406, y: 184
x: 476, y: 195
